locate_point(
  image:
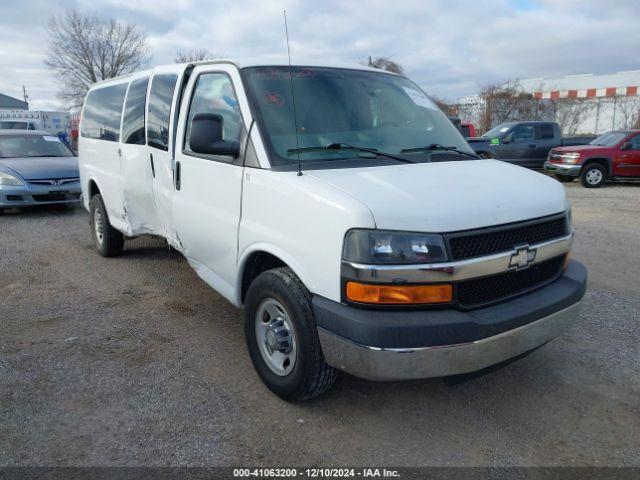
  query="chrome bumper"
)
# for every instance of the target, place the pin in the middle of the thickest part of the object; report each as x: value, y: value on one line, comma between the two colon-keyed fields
x: 382, y: 364
x: 562, y: 169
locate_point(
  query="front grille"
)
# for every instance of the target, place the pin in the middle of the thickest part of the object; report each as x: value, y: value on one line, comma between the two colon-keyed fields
x: 482, y: 291
x: 56, y: 197
x: 54, y: 182
x: 479, y: 243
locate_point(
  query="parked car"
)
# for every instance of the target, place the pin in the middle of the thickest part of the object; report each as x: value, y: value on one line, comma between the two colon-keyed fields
x: 614, y: 155
x: 36, y: 168
x: 467, y: 129
x: 360, y: 234
x: 522, y: 143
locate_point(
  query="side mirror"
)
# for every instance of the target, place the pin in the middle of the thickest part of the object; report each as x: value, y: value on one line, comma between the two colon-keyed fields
x: 626, y: 146
x: 206, y: 136
x: 507, y: 139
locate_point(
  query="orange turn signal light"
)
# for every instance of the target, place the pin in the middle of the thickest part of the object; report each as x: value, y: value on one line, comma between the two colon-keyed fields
x: 399, y: 294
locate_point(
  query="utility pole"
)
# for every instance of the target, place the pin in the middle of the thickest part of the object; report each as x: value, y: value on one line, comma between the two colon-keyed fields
x: 25, y: 96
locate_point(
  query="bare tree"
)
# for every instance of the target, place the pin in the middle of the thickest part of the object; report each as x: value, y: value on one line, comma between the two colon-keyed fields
x: 195, y: 55
x: 84, y: 49
x: 384, y: 63
x: 571, y: 112
x: 446, y: 107
x: 503, y: 102
x: 628, y: 110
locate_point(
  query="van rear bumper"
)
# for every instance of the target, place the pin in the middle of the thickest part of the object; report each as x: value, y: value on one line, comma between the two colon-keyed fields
x: 403, y: 345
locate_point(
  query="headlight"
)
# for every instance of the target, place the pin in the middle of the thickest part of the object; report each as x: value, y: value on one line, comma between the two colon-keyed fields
x: 570, y: 158
x: 390, y: 247
x: 6, y: 179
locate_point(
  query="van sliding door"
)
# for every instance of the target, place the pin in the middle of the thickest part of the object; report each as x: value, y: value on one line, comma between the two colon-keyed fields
x: 160, y: 106
x: 135, y: 169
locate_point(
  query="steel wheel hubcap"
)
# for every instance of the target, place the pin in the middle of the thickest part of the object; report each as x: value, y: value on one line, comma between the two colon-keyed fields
x: 276, y: 337
x: 594, y: 176
x: 98, y: 225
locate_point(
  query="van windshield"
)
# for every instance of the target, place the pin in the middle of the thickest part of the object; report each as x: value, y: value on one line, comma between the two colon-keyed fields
x: 378, y: 111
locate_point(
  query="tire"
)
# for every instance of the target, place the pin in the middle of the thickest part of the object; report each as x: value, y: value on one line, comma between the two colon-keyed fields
x: 593, y: 175
x: 564, y: 178
x: 108, y: 241
x: 301, y: 373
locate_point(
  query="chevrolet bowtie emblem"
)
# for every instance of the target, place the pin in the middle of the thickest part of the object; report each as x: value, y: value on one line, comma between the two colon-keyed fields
x: 522, y: 258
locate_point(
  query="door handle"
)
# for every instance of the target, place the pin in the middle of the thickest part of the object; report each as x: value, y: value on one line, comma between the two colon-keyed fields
x: 177, y: 175
x: 153, y: 168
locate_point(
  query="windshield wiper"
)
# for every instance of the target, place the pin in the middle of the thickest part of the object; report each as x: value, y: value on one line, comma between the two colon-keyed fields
x: 437, y: 146
x: 346, y: 146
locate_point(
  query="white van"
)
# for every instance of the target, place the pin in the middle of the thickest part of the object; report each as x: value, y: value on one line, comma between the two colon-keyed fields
x: 354, y: 225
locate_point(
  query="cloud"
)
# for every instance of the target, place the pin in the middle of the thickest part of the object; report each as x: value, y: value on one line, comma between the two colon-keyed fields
x: 446, y: 46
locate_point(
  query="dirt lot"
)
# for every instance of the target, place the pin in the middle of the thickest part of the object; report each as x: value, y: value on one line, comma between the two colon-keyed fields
x: 135, y: 361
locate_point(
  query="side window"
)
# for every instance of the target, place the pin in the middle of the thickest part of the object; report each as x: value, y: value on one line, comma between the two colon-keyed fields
x: 160, y: 99
x: 635, y: 141
x: 546, y: 131
x: 133, y: 121
x: 523, y: 133
x: 102, y: 113
x: 214, y: 93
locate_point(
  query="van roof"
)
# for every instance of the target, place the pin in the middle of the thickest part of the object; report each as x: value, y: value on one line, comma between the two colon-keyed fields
x: 277, y: 63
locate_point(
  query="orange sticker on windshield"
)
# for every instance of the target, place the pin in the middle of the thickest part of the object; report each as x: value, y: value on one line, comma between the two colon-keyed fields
x: 274, y: 99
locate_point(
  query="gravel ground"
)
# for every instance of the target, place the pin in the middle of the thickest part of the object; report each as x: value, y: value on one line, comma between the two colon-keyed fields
x: 135, y: 361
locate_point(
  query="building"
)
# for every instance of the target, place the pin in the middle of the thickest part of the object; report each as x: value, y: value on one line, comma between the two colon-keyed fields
x: 581, y: 104
x: 10, y: 103
x: 610, y: 101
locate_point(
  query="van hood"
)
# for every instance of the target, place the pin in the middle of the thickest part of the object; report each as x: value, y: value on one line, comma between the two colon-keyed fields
x: 448, y: 196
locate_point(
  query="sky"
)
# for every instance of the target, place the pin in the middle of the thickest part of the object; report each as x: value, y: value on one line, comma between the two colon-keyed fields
x: 448, y: 47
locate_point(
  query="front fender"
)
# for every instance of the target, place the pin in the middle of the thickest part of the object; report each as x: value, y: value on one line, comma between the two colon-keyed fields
x: 287, y: 258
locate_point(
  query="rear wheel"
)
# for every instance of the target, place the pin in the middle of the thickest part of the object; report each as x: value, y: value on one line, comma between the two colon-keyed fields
x: 108, y: 241
x: 282, y: 337
x: 564, y: 178
x: 593, y: 176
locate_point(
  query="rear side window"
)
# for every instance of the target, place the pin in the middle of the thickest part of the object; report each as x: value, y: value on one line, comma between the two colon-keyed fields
x: 133, y: 121
x: 546, y: 131
x: 102, y: 113
x: 160, y: 98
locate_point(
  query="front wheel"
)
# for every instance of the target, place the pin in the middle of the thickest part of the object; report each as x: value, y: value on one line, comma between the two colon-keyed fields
x: 282, y: 337
x: 108, y: 241
x: 593, y: 176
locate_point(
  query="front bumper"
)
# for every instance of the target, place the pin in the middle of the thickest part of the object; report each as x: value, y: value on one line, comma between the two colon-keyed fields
x: 403, y: 345
x: 562, y: 169
x: 32, y: 194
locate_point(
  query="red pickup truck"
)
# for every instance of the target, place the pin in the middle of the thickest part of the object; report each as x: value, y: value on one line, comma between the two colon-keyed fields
x: 614, y: 155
